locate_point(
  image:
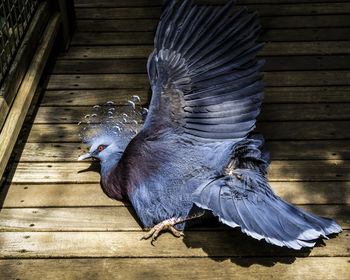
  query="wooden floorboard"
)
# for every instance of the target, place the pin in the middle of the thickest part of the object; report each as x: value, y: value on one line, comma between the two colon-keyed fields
x: 137, y: 66
x: 55, y: 220
x: 231, y: 243
x: 149, y: 25
x: 279, y: 150
x: 85, y: 172
x: 90, y: 195
x: 252, y: 268
x: 281, y: 130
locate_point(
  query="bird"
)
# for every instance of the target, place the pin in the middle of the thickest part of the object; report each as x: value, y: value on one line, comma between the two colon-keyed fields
x: 197, y: 154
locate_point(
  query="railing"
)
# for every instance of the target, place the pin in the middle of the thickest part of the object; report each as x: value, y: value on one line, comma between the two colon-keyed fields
x: 15, y: 16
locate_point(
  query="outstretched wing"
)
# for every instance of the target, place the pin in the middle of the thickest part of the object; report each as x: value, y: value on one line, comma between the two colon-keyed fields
x: 203, y: 72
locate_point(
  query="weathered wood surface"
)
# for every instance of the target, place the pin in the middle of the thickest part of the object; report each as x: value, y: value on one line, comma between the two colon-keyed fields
x: 85, y: 172
x: 54, y: 206
x: 267, y: 35
x: 91, y: 97
x: 272, y: 63
x: 321, y: 149
x: 19, y: 109
x: 139, y: 81
x: 84, y: 195
x: 116, y: 218
x: 231, y: 243
x: 264, y: 10
x: 251, y: 268
x: 270, y: 49
x: 145, y: 3
x: 269, y: 112
x: 125, y: 25
x: 282, y: 130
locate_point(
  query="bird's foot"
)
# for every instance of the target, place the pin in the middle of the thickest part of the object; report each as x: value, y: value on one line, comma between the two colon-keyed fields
x: 163, y: 226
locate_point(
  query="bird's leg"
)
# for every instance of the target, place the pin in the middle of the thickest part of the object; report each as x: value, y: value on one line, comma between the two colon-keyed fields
x: 169, y: 225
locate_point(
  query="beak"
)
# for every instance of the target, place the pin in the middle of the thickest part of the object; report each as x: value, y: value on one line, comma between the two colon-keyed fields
x: 88, y: 155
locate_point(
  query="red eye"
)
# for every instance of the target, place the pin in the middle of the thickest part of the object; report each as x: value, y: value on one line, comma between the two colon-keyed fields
x: 100, y: 148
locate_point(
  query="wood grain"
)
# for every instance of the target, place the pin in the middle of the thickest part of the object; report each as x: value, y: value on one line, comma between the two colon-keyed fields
x: 264, y: 268
x: 84, y: 195
x: 230, y: 243
x: 279, y: 150
x: 288, y: 130
x: 264, y: 10
x: 267, y: 35
x: 85, y: 172
x: 272, y: 63
x: 270, y: 49
x: 16, y: 116
x: 91, y: 97
x: 144, y: 3
x: 140, y: 81
x: 125, y: 25
x: 115, y: 219
x: 269, y: 112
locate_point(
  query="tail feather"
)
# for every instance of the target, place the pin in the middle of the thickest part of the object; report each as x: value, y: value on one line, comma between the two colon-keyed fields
x: 242, y: 197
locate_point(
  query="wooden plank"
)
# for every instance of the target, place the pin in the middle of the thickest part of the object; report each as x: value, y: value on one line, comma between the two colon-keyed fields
x: 267, y: 35
x: 85, y: 172
x: 270, y: 112
x: 299, y: 130
x: 144, y: 3
x: 74, y: 195
x: 264, y: 10
x: 91, y: 66
x: 15, y: 119
x: 108, y: 52
x: 124, y: 25
x: 279, y: 150
x: 307, y: 94
x: 175, y: 268
x: 114, y: 219
x: 305, y: 34
x: 19, y: 66
x: 291, y: 130
x: 307, y: 78
x: 101, y: 81
x: 127, y: 244
x: 272, y: 63
x: 307, y: 21
x: 270, y: 49
x: 57, y: 195
x: 318, y: 111
x: 333, y: 149
x: 92, y: 97
x: 140, y: 81
x: 112, y: 38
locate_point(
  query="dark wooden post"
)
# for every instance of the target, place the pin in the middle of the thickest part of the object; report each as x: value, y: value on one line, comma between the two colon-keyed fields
x: 66, y: 8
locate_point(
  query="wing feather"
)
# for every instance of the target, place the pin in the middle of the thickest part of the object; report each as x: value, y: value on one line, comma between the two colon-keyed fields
x: 203, y: 71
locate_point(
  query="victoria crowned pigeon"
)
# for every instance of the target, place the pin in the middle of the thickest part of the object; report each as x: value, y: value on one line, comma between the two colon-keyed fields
x: 196, y: 154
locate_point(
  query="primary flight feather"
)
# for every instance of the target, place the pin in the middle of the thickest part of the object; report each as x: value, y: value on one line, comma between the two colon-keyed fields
x: 195, y: 155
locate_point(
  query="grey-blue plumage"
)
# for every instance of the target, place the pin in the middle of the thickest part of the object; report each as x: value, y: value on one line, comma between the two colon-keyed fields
x: 196, y: 150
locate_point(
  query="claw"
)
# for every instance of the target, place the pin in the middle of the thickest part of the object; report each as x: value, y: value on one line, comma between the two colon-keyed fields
x: 157, y: 229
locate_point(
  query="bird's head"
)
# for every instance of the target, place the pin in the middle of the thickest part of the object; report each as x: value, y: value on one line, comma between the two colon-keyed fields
x: 103, y: 147
x: 107, y: 149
